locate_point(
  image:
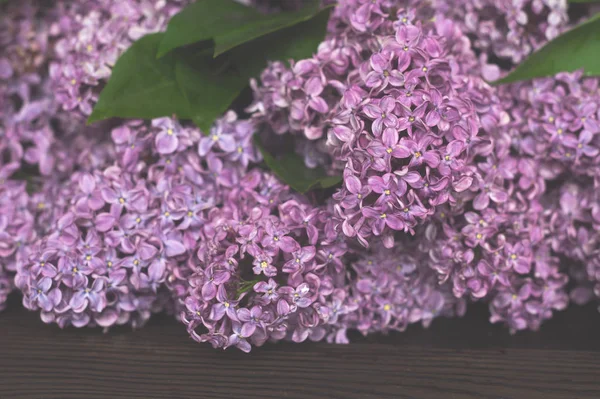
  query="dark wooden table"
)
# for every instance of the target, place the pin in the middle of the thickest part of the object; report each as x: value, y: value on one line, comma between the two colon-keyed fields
x: 461, y: 358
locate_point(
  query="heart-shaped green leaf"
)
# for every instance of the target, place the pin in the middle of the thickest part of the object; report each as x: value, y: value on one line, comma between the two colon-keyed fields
x: 578, y: 48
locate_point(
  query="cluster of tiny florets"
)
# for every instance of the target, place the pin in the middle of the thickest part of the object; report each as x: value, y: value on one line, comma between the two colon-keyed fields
x: 452, y: 190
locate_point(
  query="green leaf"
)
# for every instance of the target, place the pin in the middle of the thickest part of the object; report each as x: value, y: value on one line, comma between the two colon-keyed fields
x: 209, y: 86
x: 203, y: 20
x: 291, y: 170
x: 297, y: 42
x: 188, y: 84
x: 262, y: 26
x: 141, y: 86
x: 575, y: 49
x: 228, y: 23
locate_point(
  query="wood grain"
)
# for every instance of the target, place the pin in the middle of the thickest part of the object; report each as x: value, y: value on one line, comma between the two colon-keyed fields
x: 463, y: 358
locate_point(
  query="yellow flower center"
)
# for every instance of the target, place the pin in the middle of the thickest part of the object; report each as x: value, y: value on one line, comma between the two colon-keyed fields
x: 387, y: 192
x: 389, y: 150
x: 383, y: 215
x: 88, y: 257
x: 73, y: 82
x: 559, y: 131
x: 264, y: 264
x: 447, y: 157
x: 513, y: 256
x: 138, y: 219
x: 167, y: 213
x: 387, y: 307
x: 411, y: 119
x: 121, y: 200
x: 418, y: 154
x: 479, y: 236
x: 215, y: 137
x: 170, y: 132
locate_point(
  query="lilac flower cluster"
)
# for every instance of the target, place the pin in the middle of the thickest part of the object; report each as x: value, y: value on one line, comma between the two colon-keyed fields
x: 410, y: 146
x: 457, y: 191
x: 395, y: 287
x: 557, y: 126
x: 128, y: 229
x: 269, y: 266
x: 509, y: 30
x: 101, y: 263
x: 104, y: 30
x: 533, y: 203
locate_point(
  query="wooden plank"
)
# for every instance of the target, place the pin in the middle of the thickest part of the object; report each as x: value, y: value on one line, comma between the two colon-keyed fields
x: 461, y: 358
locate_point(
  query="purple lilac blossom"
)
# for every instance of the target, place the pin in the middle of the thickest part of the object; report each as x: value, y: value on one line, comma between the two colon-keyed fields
x: 268, y: 266
x: 508, y: 30
x: 413, y: 141
x: 533, y: 202
x: 394, y: 288
x: 557, y: 127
